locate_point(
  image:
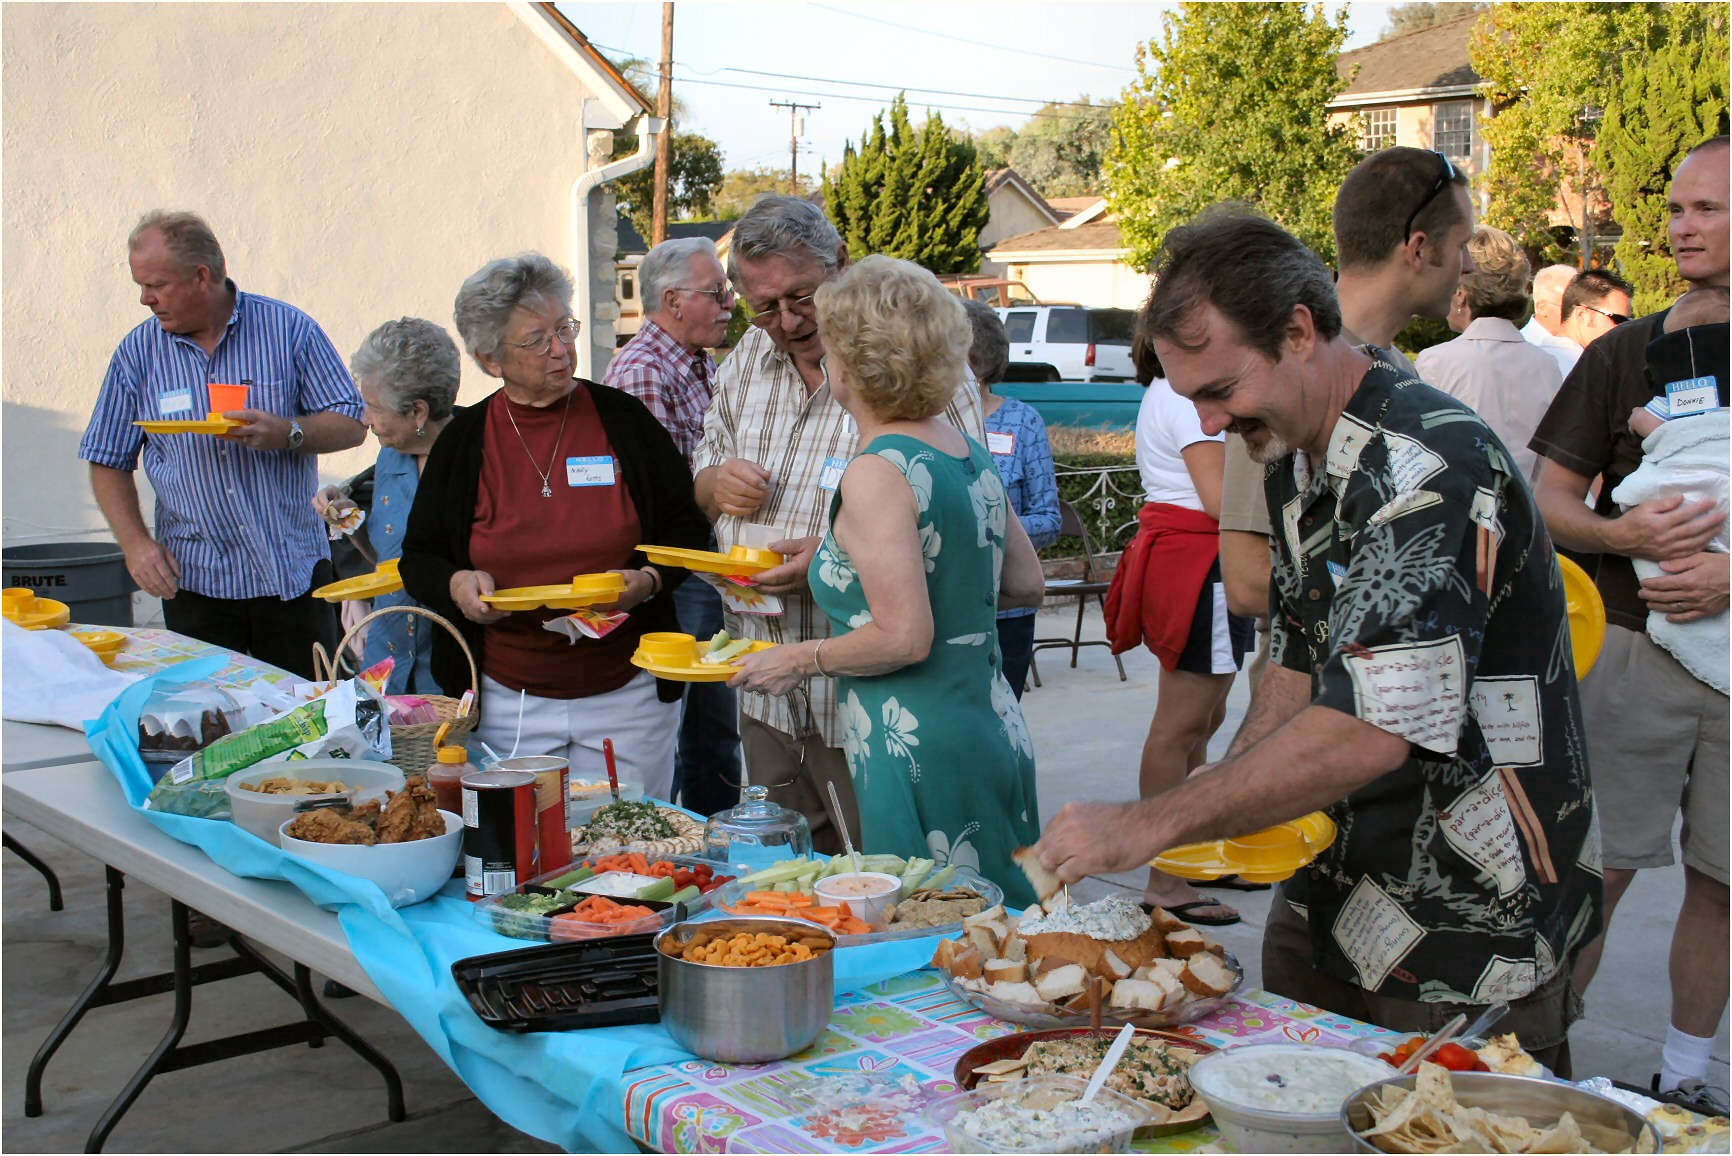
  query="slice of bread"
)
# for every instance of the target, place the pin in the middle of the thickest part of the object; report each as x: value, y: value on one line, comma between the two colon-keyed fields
x: 1017, y: 993
x: 1113, y: 967
x: 1062, y: 983
x: 967, y: 963
x: 1186, y: 943
x: 990, y: 915
x: 1206, y: 975
x: 1014, y: 946
x: 1138, y: 993
x: 944, y: 957
x: 1172, y: 968
x: 1167, y: 921
x: 1005, y: 971
x: 981, y: 938
x: 1046, y: 883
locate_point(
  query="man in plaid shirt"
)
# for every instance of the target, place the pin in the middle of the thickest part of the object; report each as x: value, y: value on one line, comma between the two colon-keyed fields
x: 668, y: 367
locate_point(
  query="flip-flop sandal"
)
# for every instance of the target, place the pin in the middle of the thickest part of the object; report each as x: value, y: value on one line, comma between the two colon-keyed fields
x: 1184, y: 910
x: 1234, y: 883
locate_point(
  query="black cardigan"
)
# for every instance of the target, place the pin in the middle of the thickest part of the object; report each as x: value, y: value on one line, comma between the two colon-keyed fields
x: 436, y: 544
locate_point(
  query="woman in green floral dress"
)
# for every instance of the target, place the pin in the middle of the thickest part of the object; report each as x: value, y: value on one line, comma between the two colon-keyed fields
x: 922, y: 552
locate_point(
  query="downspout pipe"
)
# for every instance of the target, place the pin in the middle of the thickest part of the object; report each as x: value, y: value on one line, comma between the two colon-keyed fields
x: 648, y: 128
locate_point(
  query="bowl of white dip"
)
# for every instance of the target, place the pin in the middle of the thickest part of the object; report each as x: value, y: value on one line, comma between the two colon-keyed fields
x: 1283, y: 1097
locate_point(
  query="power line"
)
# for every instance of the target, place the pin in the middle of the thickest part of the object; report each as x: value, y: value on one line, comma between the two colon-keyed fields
x: 968, y: 39
x: 879, y: 100
x: 912, y: 88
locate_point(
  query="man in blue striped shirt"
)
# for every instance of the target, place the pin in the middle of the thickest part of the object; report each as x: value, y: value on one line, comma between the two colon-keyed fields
x: 237, y: 547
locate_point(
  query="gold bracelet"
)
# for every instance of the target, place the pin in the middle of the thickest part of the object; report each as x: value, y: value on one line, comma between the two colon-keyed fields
x: 816, y: 651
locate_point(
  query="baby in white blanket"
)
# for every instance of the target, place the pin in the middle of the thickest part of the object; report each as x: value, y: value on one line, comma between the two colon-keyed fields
x: 1686, y: 446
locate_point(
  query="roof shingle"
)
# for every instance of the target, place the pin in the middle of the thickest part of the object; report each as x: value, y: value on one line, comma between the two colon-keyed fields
x: 1435, y: 57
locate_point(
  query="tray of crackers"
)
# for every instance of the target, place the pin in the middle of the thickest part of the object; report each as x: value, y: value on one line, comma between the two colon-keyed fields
x: 1155, y: 1067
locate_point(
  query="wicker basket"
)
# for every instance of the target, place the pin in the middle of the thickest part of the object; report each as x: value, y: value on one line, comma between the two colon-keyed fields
x: 412, y: 749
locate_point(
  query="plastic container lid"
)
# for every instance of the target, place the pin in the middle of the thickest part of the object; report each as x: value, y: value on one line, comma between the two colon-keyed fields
x: 455, y: 756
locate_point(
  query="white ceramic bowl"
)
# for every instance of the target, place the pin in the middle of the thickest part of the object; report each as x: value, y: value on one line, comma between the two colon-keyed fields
x: 406, y: 872
x: 868, y: 894
x: 264, y: 815
x: 1257, y: 1094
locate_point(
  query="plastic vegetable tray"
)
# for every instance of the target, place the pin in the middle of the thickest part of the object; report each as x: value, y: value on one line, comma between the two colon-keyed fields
x: 594, y: 983
x: 526, y: 925
x: 730, y: 894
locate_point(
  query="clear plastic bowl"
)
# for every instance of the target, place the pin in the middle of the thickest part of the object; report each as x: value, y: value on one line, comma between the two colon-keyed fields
x: 1113, y: 1131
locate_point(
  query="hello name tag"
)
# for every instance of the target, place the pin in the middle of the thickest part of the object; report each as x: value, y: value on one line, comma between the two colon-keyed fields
x: 1691, y: 396
x: 180, y: 401
x: 831, y: 477
x: 1002, y: 444
x: 596, y: 471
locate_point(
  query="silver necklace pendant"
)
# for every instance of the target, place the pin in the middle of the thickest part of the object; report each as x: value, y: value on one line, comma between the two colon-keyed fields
x: 546, y: 490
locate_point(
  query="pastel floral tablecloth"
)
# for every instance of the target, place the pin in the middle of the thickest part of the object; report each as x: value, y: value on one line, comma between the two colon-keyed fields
x: 910, y: 1031
x: 150, y: 649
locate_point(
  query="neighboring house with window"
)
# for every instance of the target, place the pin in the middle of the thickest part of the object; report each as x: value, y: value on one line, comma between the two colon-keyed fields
x: 1420, y: 90
x: 1013, y: 208
x: 1080, y: 261
x: 628, y: 303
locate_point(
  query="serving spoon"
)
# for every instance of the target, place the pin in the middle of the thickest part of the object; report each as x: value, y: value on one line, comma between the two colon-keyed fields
x: 1115, y: 1053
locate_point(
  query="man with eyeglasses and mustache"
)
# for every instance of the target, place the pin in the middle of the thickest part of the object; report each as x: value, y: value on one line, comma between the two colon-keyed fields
x: 1414, y: 689
x: 774, y: 448
x: 667, y: 366
x: 1658, y: 737
x: 1596, y: 302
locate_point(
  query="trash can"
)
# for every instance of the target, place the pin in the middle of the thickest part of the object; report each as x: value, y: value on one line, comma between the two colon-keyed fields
x: 90, y: 577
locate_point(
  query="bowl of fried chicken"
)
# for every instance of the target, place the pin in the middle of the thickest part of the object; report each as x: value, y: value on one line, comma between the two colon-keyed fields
x: 406, y: 845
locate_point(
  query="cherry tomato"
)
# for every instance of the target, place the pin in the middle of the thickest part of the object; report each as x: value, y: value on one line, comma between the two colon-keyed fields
x: 1389, y: 1058
x: 1454, y: 1057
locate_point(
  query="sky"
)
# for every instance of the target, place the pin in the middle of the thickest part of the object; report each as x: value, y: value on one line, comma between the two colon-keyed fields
x: 995, y: 60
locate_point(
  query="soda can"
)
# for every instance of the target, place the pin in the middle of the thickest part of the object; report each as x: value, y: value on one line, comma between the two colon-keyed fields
x: 552, y: 782
x: 501, y: 847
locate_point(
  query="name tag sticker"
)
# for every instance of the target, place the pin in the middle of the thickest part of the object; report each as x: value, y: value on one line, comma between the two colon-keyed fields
x: 1002, y: 444
x: 179, y: 401
x: 1337, y: 572
x: 832, y: 474
x: 597, y: 471
x: 1692, y: 395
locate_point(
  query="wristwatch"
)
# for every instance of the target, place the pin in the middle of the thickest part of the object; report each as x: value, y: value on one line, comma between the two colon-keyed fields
x: 297, y: 435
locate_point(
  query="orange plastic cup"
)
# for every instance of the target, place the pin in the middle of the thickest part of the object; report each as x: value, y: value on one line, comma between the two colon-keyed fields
x: 226, y: 398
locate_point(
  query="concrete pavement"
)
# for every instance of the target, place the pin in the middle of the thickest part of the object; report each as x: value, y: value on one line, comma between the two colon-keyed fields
x: 1088, y: 728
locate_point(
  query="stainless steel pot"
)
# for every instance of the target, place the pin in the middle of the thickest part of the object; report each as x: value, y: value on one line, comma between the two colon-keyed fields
x: 746, y: 1015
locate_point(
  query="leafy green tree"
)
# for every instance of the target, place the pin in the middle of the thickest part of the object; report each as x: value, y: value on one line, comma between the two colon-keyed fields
x: 1664, y: 104
x: 994, y: 145
x: 1231, y: 104
x: 1061, y: 150
x: 692, y: 185
x: 740, y: 187
x: 915, y: 194
x: 1405, y: 18
x: 1548, y: 70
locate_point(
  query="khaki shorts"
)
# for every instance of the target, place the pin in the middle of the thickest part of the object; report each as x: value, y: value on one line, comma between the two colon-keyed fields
x: 1657, y: 742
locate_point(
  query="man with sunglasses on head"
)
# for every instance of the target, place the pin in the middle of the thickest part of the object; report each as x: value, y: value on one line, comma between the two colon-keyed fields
x: 1657, y: 737
x: 1596, y: 302
x: 667, y: 366
x: 774, y: 448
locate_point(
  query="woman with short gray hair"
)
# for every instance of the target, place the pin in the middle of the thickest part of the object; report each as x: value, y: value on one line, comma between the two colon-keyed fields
x: 407, y: 372
x: 1016, y: 437
x: 550, y: 478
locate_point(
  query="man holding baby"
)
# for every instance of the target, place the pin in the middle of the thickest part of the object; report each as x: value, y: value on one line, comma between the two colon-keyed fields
x: 1657, y: 737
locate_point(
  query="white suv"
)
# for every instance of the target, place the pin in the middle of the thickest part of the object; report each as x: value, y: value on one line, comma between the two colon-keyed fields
x: 1069, y: 343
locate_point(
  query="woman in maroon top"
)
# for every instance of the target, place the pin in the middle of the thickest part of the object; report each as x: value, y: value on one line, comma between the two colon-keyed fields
x: 550, y: 477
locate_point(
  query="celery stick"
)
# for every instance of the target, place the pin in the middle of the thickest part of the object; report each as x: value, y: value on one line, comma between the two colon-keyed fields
x: 781, y: 872
x: 918, y: 869
x: 942, y: 880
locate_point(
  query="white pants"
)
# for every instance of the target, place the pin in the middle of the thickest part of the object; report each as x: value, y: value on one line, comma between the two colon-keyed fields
x: 645, y: 731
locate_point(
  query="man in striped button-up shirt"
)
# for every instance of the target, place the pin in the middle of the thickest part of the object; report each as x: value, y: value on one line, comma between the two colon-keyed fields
x: 237, y: 546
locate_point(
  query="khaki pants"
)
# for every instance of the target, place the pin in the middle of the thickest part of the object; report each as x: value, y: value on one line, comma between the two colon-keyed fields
x: 1541, y: 1020
x: 797, y: 772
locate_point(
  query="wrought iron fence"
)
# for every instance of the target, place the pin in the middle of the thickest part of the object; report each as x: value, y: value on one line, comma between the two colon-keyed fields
x: 1107, y: 498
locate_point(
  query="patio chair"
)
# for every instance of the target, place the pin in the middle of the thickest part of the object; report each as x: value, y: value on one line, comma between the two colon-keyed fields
x: 1090, y: 586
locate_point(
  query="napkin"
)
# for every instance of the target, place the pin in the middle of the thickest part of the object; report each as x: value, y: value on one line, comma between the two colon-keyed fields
x: 48, y: 676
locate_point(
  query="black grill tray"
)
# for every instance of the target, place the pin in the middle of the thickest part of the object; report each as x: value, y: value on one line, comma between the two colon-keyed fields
x: 588, y: 983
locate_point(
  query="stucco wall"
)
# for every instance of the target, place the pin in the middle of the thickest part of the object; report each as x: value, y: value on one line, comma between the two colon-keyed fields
x: 357, y: 161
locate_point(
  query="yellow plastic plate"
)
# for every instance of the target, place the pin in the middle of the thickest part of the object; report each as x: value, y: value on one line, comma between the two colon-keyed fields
x: 363, y: 586
x: 39, y: 614
x: 710, y: 562
x: 583, y: 590
x: 1277, y: 853
x: 106, y: 643
x: 215, y: 425
x: 695, y: 671
x: 1587, y: 615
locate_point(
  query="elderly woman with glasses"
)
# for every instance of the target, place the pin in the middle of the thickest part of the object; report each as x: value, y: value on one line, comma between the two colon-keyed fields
x: 407, y: 372
x: 1491, y: 367
x: 548, y: 478
x: 922, y: 549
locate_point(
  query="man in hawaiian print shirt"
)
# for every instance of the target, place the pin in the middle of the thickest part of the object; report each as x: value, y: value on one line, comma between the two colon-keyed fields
x: 1422, y: 690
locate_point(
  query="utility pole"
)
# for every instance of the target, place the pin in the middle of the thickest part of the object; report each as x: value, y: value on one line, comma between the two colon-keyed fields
x: 794, y: 110
x: 665, y: 142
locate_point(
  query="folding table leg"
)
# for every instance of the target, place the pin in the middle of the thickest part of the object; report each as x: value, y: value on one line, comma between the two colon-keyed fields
x: 47, y: 872
x: 85, y: 1001
x: 316, y: 1011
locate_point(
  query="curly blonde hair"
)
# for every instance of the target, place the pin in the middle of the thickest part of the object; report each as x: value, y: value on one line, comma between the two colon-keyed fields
x: 901, y: 336
x: 1497, y: 287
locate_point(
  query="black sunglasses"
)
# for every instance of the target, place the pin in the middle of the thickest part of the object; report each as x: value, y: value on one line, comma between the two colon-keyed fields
x: 1616, y: 318
x: 1446, y: 176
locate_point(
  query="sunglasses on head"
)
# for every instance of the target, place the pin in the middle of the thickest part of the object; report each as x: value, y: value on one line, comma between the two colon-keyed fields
x: 1446, y: 176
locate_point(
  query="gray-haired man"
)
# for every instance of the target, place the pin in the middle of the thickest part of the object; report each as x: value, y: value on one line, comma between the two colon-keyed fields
x: 668, y: 367
x: 774, y: 448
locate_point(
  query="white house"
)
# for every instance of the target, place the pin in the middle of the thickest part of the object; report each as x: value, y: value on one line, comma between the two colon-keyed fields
x: 355, y: 160
x: 1080, y: 260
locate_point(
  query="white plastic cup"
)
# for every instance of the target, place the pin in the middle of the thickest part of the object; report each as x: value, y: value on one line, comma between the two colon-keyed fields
x: 757, y: 536
x: 881, y: 890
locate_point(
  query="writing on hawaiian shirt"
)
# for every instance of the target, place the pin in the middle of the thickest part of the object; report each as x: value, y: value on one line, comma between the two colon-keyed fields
x: 1478, y: 824
x: 1374, y: 933
x: 1415, y: 691
x: 1410, y: 464
x: 1507, y: 710
x: 1504, y: 979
